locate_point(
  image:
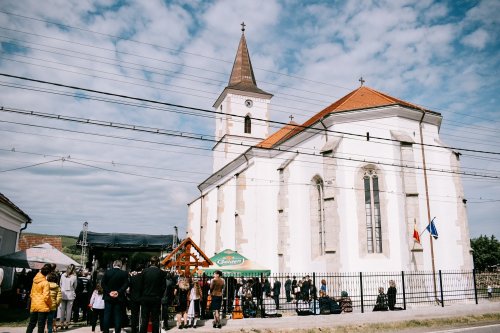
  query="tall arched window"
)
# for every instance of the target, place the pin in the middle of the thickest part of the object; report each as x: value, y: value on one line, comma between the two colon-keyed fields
x: 318, y: 231
x: 248, y: 124
x: 372, y: 212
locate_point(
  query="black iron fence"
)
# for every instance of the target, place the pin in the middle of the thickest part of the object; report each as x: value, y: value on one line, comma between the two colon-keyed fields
x: 270, y: 294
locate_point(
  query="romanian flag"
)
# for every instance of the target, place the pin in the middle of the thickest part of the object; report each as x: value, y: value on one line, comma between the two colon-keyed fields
x: 416, y: 235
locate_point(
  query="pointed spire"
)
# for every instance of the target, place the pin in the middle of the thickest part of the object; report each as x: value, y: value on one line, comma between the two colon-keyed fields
x: 242, y: 76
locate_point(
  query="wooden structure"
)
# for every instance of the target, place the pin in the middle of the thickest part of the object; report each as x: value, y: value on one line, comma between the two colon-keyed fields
x: 186, y: 258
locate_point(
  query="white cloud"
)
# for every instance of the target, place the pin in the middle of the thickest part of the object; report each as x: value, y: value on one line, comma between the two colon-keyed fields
x: 409, y: 49
x: 476, y: 39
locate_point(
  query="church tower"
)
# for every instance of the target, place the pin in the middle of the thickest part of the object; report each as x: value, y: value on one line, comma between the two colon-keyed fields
x: 242, y: 110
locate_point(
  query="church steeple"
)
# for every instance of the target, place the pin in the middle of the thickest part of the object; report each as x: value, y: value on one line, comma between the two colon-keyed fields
x: 242, y: 76
x: 242, y: 110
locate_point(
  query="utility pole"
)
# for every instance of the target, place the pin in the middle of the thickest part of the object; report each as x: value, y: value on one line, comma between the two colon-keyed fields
x: 428, y: 205
x: 83, y: 244
x: 176, y: 238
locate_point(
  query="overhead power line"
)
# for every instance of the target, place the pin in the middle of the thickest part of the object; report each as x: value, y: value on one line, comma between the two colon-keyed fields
x: 192, y: 136
x: 263, y: 182
x: 208, y: 70
x: 30, y: 166
x: 242, y: 117
x: 166, y: 48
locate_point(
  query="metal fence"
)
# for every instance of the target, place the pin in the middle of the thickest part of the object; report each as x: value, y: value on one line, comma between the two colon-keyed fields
x: 413, y: 288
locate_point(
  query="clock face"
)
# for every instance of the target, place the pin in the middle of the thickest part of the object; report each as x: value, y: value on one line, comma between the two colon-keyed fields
x: 248, y: 103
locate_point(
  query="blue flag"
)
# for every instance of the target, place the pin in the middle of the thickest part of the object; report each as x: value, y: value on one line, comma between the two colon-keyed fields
x: 432, y: 229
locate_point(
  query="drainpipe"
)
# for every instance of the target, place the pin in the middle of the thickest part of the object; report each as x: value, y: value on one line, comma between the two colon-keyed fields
x: 20, y: 231
x: 201, y: 219
x: 326, y: 129
x: 428, y: 202
x: 25, y: 227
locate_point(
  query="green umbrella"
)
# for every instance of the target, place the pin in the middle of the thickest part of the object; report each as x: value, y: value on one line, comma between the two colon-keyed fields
x: 231, y: 263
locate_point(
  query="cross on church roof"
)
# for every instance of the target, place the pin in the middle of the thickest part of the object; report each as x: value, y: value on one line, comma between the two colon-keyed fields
x: 291, y: 118
x: 243, y: 26
x: 361, y: 80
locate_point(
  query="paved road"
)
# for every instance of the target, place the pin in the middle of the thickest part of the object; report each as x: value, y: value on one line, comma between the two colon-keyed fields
x: 309, y: 322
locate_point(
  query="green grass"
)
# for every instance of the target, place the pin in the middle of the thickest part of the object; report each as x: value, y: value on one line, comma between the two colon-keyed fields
x: 393, y: 327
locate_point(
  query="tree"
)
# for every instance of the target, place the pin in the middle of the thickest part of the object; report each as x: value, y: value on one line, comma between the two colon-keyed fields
x: 486, y: 252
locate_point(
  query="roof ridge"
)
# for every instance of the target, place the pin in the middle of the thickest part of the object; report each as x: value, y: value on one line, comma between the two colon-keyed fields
x: 346, y: 98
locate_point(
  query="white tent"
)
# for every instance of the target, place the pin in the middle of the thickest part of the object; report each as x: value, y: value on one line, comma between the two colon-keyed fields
x: 37, y: 256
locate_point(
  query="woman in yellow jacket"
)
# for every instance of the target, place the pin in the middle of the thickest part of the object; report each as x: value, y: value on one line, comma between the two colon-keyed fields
x: 40, y: 300
x: 55, y: 298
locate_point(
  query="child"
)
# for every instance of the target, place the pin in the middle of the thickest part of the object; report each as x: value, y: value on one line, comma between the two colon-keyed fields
x: 55, y: 297
x: 97, y: 307
x: 194, y: 304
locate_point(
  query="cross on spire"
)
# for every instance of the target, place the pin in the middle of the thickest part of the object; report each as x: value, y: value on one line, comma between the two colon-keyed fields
x: 243, y: 25
x: 361, y: 81
x: 291, y: 118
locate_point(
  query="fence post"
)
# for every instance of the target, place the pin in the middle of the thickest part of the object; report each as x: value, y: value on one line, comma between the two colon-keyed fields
x: 315, y: 290
x: 404, y: 291
x: 441, y: 288
x: 475, y: 286
x: 361, y: 288
x: 260, y: 298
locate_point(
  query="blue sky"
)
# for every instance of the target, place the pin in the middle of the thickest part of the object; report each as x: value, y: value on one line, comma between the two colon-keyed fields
x: 439, y: 54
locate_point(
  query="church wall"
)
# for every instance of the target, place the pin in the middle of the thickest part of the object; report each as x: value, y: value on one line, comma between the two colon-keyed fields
x: 301, y: 174
x: 444, y: 205
x: 302, y: 170
x: 225, y: 229
x: 193, y: 223
x: 351, y: 198
x: 209, y: 216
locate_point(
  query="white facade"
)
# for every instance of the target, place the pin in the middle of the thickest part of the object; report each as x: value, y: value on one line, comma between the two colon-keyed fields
x: 12, y: 221
x: 307, y: 211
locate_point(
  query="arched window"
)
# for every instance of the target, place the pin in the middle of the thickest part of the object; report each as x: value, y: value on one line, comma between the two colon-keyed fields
x: 248, y: 124
x: 318, y: 235
x: 372, y: 212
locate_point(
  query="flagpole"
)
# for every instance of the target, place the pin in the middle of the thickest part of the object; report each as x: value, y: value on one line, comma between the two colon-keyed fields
x: 428, y: 204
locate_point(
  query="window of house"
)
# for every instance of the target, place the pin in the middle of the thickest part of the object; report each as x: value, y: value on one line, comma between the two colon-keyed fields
x: 248, y: 124
x: 372, y: 212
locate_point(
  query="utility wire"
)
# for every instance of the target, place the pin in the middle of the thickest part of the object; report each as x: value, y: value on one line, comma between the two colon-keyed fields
x: 70, y: 159
x: 159, y: 71
x: 144, y: 129
x: 214, y: 112
x: 199, y: 68
x: 64, y: 93
x: 465, y: 177
x: 166, y: 48
x: 30, y: 166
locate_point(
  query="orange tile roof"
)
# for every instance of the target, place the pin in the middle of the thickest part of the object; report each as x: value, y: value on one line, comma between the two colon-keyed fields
x: 361, y: 98
x: 285, y: 131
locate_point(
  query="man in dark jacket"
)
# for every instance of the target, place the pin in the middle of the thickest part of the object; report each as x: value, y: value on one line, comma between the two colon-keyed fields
x: 288, y: 288
x: 152, y: 289
x: 135, y: 297
x: 114, y: 284
x: 277, y: 292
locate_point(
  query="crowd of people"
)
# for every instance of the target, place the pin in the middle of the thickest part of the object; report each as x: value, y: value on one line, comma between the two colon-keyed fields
x: 152, y: 295
x: 56, y: 300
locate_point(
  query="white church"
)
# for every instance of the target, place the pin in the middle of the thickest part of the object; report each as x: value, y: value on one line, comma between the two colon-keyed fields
x: 342, y: 192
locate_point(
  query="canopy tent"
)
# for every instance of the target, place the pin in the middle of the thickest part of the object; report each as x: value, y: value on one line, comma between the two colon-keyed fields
x: 37, y: 256
x: 133, y: 242
x: 232, y: 263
